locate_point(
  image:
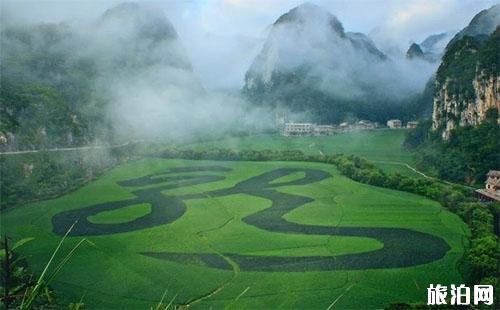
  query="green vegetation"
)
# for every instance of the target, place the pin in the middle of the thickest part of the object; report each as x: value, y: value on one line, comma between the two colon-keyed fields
x: 480, y: 263
x: 482, y: 258
x: 43, y: 175
x: 354, y: 167
x: 258, y: 221
x: 382, y: 147
x: 466, y: 57
x: 216, y: 225
x: 114, y: 273
x: 466, y: 157
x: 47, y: 91
x: 21, y: 288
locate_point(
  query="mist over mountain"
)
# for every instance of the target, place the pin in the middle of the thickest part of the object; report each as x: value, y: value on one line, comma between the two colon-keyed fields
x: 141, y: 56
x: 465, y: 85
x: 47, y: 89
x: 461, y: 142
x: 435, y: 43
x: 309, y: 63
x: 483, y: 24
x: 124, y: 75
x: 414, y: 51
x: 431, y: 48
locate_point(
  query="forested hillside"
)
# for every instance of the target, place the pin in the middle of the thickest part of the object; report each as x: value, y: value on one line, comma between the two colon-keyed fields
x: 47, y: 91
x: 465, y: 157
x: 65, y: 86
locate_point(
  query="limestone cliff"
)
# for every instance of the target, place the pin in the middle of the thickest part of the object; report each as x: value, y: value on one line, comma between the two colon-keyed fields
x: 467, y: 82
x: 452, y: 109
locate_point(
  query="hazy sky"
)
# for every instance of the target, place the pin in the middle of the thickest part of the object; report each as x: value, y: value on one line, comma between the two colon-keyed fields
x: 223, y: 36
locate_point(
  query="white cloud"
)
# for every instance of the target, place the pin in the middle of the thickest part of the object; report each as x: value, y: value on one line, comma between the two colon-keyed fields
x: 223, y: 36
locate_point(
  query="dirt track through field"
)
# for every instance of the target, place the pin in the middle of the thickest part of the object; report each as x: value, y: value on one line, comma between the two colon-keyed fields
x: 402, y: 247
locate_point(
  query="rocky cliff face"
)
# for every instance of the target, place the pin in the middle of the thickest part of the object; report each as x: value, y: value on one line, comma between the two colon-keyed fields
x: 468, y: 79
x: 452, y: 110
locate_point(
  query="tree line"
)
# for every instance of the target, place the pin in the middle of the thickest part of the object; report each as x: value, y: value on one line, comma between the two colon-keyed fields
x: 468, y: 154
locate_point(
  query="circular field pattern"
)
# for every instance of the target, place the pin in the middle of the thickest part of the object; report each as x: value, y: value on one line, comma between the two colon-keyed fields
x: 401, y: 247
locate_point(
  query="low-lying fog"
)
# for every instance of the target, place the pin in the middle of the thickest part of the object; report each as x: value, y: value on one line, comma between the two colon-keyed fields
x: 174, y: 68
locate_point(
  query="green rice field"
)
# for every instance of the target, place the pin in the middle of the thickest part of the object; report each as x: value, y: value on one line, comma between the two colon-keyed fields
x: 244, y: 235
x: 383, y: 147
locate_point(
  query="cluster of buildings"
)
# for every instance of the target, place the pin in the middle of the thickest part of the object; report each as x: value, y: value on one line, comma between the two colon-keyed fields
x: 310, y: 129
x: 306, y: 129
x: 396, y: 123
x: 287, y: 128
x: 491, y: 192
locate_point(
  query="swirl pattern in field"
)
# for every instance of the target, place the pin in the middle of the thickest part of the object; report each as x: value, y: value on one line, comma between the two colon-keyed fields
x: 402, y: 247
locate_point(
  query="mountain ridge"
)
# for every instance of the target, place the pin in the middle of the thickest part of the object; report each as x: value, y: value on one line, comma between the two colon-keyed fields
x: 468, y: 79
x: 310, y: 64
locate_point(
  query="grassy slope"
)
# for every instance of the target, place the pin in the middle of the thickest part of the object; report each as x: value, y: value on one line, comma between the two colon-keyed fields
x: 383, y: 147
x: 113, y: 274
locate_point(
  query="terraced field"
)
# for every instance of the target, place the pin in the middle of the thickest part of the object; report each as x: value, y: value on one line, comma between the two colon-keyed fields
x: 242, y: 235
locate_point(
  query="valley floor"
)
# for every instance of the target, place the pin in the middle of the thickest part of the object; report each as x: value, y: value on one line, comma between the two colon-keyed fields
x: 383, y: 147
x: 217, y: 213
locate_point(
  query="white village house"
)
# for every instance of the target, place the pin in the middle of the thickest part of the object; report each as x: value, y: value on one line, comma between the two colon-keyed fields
x: 394, y: 123
x: 306, y: 129
x: 412, y: 124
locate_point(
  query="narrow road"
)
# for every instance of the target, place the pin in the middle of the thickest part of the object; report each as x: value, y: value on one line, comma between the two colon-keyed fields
x: 64, y: 149
x: 403, y: 164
